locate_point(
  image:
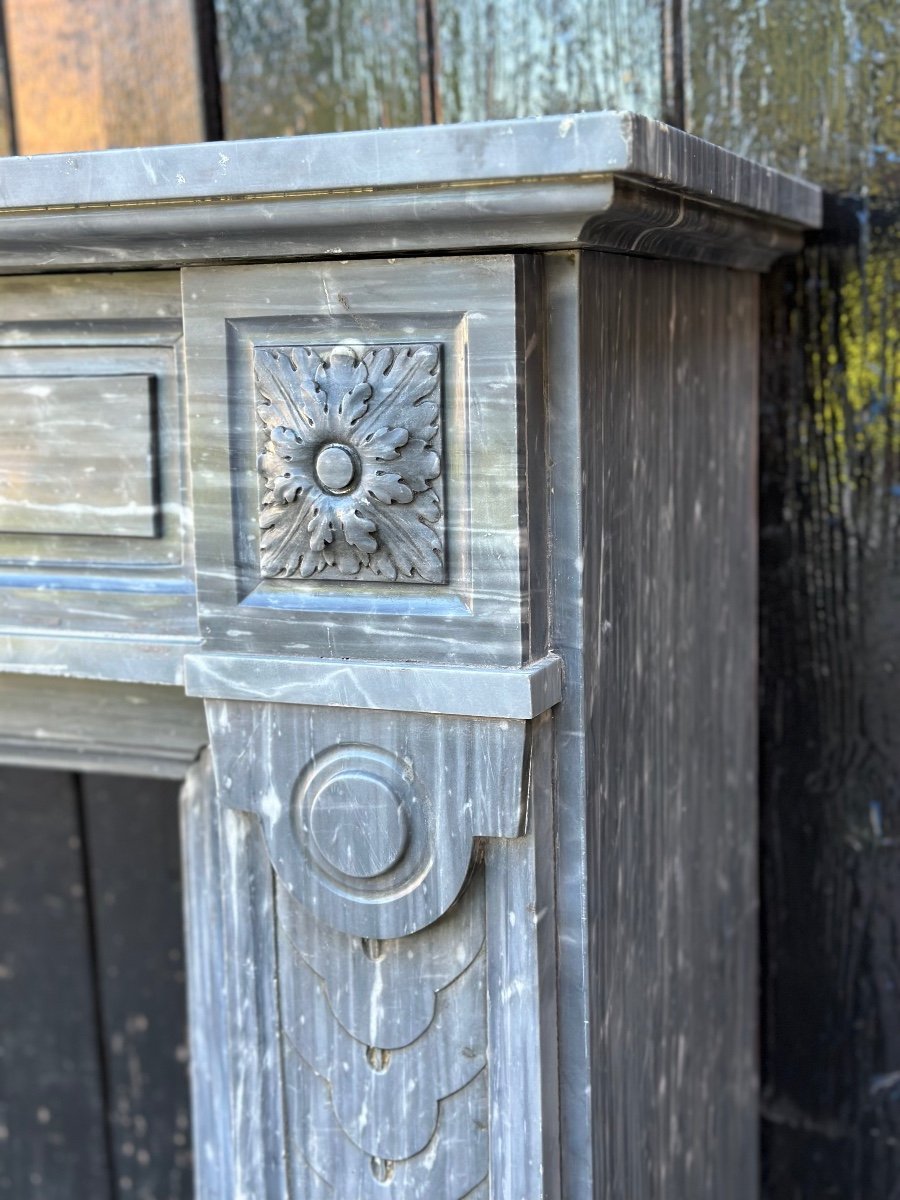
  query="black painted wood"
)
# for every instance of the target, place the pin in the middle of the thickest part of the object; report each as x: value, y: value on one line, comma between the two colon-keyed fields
x: 133, y: 864
x: 313, y: 66
x: 93, y: 1053
x: 53, y: 1138
x: 811, y: 87
x: 830, y: 720
x: 521, y: 59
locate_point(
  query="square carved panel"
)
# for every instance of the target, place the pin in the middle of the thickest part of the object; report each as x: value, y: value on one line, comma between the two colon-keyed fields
x: 359, y: 439
x: 350, y: 462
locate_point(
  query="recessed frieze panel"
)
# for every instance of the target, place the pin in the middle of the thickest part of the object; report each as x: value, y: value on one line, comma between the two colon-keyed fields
x: 96, y: 571
x: 77, y: 456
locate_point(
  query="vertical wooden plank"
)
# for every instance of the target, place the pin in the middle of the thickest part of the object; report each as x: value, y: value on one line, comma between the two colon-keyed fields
x: 311, y: 66
x: 6, y: 131
x: 520, y: 59
x: 669, y: 434
x: 830, y: 661
x: 133, y: 858
x: 810, y: 86
x: 90, y: 74
x: 52, y: 1123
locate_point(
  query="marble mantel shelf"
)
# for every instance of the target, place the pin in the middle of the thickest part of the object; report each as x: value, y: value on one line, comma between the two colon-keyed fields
x: 397, y: 489
x: 587, y: 179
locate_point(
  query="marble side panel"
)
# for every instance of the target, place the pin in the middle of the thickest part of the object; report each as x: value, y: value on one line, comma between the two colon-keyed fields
x: 669, y: 594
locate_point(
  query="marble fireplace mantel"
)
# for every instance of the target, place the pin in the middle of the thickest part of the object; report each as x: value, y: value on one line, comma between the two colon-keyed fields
x: 411, y: 472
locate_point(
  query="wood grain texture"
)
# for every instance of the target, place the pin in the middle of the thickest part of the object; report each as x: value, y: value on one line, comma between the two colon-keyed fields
x: 92, y: 74
x: 6, y: 124
x: 312, y: 66
x: 830, y: 661
x: 134, y: 884
x: 525, y: 59
x: 53, y: 1142
x: 668, y: 431
x: 808, y: 86
x: 811, y: 86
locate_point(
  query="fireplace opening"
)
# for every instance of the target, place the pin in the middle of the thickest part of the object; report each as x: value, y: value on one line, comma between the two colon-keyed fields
x: 93, y: 1033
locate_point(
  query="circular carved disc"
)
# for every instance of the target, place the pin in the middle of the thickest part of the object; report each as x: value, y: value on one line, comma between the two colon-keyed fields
x: 335, y: 467
x: 358, y: 825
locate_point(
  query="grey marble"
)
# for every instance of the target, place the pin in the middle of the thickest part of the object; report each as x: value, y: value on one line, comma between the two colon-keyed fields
x: 477, y: 611
x: 405, y: 975
x: 95, y: 596
x: 442, y: 540
x: 50, y: 478
x: 389, y: 686
x: 540, y: 182
x: 386, y: 1089
x: 50, y: 720
x: 68, y: 655
x: 542, y: 148
x: 211, y: 1127
x: 447, y: 781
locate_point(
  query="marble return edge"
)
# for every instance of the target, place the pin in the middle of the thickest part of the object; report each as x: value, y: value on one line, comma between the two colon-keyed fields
x: 515, y: 693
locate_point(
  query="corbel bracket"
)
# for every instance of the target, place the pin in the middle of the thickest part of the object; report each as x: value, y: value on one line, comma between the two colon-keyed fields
x: 372, y: 792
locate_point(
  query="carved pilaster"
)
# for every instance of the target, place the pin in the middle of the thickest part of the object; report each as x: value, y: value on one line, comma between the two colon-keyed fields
x: 384, y: 1052
x: 366, y: 1024
x: 377, y: 680
x: 370, y: 818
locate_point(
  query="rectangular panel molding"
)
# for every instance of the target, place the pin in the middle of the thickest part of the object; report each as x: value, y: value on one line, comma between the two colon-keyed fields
x: 406, y: 509
x: 77, y: 455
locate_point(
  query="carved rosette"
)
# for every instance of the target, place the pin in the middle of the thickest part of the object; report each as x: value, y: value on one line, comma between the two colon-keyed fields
x: 351, y: 459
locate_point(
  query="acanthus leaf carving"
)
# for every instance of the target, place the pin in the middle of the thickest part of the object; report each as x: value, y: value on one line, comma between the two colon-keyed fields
x: 351, y: 462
